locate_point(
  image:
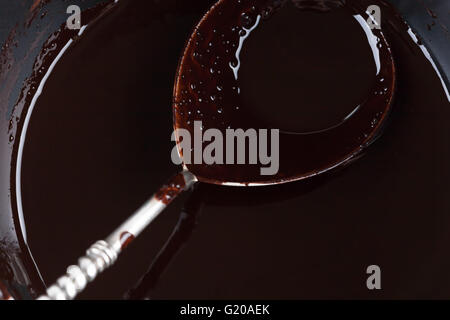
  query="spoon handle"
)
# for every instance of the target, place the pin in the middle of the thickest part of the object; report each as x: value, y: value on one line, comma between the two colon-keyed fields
x: 104, y: 253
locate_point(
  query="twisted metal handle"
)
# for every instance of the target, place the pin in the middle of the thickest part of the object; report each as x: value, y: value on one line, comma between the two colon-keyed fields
x: 98, y: 257
x: 104, y: 253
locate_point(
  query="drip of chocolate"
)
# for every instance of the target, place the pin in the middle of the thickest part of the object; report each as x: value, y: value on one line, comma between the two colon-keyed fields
x: 126, y: 238
x: 171, y: 189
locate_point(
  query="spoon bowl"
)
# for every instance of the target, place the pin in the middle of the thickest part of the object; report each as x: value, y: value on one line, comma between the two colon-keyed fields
x: 207, y: 91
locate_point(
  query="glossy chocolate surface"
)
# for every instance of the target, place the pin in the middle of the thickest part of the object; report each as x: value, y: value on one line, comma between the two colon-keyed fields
x: 98, y: 145
x: 249, y: 65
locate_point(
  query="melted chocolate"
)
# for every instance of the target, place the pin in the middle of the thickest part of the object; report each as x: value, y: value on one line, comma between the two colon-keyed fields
x: 125, y: 239
x: 171, y: 189
x: 4, y: 294
x: 98, y: 145
x: 226, y: 82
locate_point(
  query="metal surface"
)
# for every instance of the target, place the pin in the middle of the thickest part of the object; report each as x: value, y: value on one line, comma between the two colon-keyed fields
x: 103, y: 254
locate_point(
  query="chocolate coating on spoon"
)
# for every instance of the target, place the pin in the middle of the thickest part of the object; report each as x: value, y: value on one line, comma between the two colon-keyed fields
x: 208, y: 89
